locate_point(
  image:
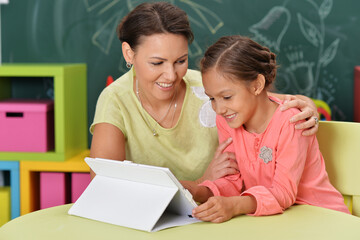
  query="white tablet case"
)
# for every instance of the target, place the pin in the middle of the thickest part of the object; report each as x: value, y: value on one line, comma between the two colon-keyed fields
x: 133, y: 195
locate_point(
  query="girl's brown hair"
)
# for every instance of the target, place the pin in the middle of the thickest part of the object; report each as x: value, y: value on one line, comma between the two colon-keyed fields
x: 153, y: 18
x: 240, y: 58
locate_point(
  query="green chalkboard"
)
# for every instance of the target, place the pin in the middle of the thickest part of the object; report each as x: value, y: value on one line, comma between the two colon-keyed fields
x: 317, y: 41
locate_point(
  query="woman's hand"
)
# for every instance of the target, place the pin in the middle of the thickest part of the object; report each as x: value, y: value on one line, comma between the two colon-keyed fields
x: 308, y: 113
x: 223, y: 163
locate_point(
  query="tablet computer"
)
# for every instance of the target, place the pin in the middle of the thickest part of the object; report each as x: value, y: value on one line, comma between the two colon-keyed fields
x: 144, y: 197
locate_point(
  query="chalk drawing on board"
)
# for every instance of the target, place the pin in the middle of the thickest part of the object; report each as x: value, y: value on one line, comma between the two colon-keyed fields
x: 103, y: 38
x: 325, y: 8
x: 299, y: 68
x: 310, y: 31
x: 204, y: 18
x: 207, y: 17
x: 211, y: 20
x: 304, y: 67
x: 90, y: 5
x: 272, y: 28
x: 133, y: 3
x: 1, y: 2
x: 315, y: 34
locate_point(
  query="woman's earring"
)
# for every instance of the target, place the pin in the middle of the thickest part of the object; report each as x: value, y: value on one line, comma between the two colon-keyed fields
x: 128, y: 65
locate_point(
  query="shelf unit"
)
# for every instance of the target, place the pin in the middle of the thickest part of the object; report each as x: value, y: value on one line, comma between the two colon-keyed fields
x: 29, y: 178
x: 70, y: 107
x: 13, y: 168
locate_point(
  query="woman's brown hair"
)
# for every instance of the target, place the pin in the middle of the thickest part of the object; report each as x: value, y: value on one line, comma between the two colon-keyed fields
x: 240, y: 58
x: 153, y: 18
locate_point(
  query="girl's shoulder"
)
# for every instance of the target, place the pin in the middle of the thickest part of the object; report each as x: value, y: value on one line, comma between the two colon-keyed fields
x: 285, y: 114
x: 282, y: 118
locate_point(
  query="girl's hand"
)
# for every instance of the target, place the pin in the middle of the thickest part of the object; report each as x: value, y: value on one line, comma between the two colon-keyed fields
x: 217, y: 209
x: 308, y: 112
x: 223, y: 163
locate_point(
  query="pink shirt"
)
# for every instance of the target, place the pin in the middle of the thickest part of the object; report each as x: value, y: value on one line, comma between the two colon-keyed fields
x: 278, y: 167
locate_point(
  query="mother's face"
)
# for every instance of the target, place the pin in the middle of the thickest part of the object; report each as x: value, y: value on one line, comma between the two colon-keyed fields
x: 160, y: 62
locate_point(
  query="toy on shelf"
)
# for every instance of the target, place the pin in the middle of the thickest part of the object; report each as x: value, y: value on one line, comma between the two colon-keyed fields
x: 109, y: 80
x: 323, y: 109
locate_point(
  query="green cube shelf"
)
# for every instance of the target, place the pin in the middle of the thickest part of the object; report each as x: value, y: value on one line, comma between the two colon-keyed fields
x: 70, y: 107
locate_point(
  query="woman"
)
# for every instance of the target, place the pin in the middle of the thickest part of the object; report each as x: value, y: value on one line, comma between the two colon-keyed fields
x: 157, y: 113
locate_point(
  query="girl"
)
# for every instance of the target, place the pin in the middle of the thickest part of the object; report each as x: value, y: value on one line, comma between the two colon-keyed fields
x: 278, y: 167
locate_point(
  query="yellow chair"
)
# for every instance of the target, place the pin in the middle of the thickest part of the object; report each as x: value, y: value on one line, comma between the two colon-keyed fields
x: 340, y: 145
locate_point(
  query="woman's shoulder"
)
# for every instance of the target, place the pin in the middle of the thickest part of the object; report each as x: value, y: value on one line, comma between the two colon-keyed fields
x: 120, y: 86
x: 193, y: 78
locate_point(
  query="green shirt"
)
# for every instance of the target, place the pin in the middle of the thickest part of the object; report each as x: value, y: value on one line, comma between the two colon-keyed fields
x: 186, y: 149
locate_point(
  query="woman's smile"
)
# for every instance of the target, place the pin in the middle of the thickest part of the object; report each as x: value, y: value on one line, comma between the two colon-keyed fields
x: 165, y: 86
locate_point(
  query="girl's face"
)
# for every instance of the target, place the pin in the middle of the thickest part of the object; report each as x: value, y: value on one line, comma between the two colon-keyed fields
x: 160, y: 63
x: 231, y: 99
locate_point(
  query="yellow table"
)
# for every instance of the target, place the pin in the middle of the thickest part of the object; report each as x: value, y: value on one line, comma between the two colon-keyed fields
x: 299, y: 222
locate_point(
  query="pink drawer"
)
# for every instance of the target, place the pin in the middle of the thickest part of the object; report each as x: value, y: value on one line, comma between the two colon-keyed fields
x: 26, y: 125
x: 53, y: 187
x: 79, y: 181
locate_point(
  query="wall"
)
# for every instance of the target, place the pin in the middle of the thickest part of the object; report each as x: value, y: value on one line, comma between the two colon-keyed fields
x: 316, y: 40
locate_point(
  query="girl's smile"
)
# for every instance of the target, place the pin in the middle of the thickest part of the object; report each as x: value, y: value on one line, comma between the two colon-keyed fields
x: 230, y: 117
